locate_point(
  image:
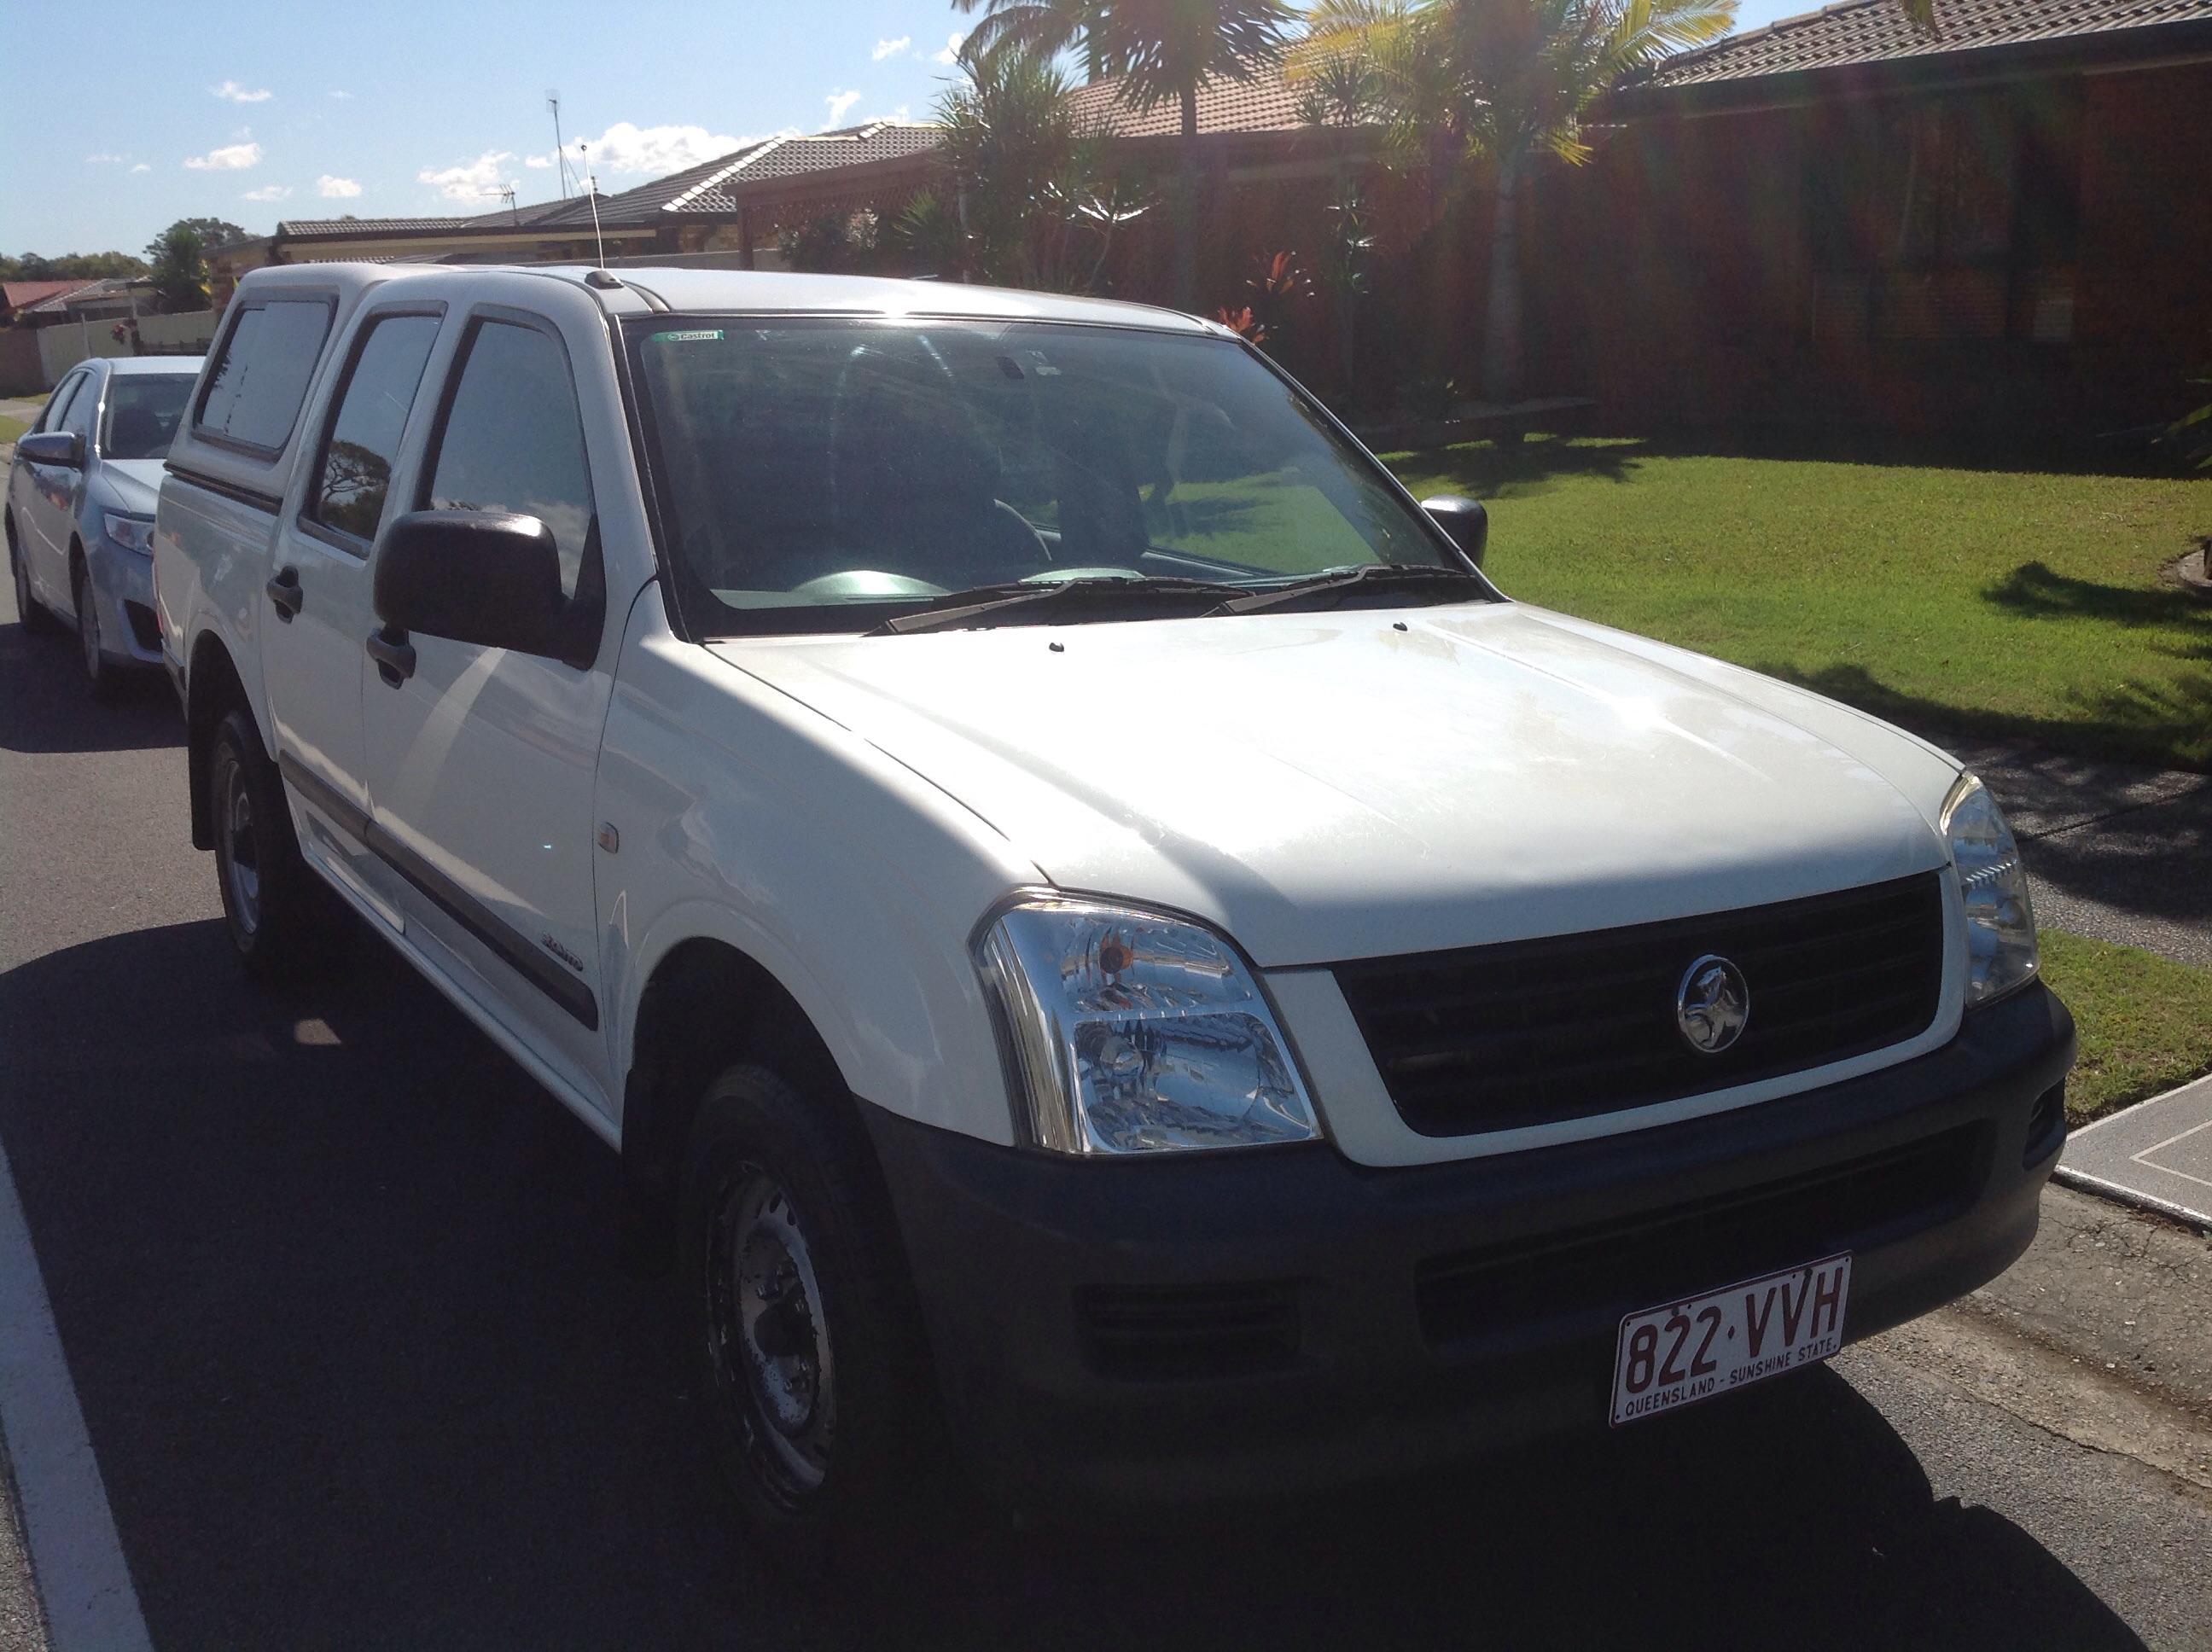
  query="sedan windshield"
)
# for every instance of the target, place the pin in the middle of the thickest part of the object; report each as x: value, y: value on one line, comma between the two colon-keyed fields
x: 826, y: 474
x: 142, y: 411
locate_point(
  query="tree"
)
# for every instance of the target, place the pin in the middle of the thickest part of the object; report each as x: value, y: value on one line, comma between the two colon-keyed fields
x: 1163, y: 49
x: 179, y: 255
x: 69, y: 266
x: 1035, y: 201
x: 1505, y: 83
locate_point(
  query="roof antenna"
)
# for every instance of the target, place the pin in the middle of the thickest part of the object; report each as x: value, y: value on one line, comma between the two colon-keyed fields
x: 592, y: 188
x: 559, y: 154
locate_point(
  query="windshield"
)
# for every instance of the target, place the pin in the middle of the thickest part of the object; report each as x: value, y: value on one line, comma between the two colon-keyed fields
x: 819, y: 474
x: 142, y: 411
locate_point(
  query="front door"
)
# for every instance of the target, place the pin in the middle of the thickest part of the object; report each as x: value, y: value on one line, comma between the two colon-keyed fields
x: 55, y: 490
x: 316, y: 608
x: 482, y: 764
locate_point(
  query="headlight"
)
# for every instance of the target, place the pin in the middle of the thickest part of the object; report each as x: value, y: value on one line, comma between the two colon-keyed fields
x: 2000, y: 927
x: 1136, y: 1033
x: 131, y: 532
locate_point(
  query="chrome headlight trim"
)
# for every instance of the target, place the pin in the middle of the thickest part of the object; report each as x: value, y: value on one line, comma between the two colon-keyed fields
x: 1125, y: 1031
x: 2002, y: 956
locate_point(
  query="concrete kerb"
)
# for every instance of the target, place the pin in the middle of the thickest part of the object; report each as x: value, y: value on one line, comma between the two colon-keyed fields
x: 2084, y: 1166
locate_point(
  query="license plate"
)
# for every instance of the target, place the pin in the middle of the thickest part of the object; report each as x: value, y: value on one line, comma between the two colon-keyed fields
x: 1700, y: 1347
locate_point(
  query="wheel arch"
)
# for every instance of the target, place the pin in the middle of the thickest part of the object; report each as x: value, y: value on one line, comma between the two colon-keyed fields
x: 213, y: 690
x: 706, y: 1002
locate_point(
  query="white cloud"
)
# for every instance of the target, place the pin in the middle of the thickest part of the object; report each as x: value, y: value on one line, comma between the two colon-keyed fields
x: 232, y: 92
x: 839, y: 102
x: 341, y: 94
x: 335, y: 189
x: 271, y: 193
x: 888, y: 48
x: 951, y: 52
x: 101, y: 159
x: 230, y: 158
x: 471, y: 181
x: 141, y: 166
x: 647, y: 151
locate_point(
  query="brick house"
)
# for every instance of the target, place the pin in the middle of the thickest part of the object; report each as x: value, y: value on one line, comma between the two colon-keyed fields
x: 1836, y: 220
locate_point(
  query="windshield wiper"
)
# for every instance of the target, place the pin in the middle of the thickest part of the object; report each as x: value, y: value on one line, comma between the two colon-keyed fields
x: 1392, y: 581
x: 1066, y: 600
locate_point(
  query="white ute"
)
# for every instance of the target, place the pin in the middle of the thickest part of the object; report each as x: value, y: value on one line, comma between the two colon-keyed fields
x: 1099, y: 936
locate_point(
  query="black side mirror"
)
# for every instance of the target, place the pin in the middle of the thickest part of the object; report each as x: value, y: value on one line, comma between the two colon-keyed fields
x: 63, y: 448
x: 473, y: 576
x: 1464, y: 519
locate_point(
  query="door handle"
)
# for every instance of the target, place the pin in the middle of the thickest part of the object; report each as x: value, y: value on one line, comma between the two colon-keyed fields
x: 284, y: 593
x: 393, y: 654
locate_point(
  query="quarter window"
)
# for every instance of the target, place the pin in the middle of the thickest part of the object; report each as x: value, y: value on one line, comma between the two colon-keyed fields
x: 380, y: 385
x: 254, y: 396
x: 513, y: 439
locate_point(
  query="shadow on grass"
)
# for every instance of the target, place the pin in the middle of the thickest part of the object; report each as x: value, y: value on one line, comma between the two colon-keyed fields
x: 2034, y: 591
x: 1487, y: 469
x: 2168, y: 725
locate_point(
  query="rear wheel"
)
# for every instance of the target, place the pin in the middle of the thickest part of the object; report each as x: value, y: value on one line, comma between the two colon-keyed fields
x: 807, y: 1346
x: 30, y: 614
x: 272, y: 904
x: 99, y: 672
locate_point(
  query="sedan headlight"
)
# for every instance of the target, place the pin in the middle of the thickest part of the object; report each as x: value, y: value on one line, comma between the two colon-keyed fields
x: 1132, y: 1032
x: 2000, y: 951
x: 131, y: 532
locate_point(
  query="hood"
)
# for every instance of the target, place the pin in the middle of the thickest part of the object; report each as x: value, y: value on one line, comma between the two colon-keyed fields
x: 1357, y: 784
x: 130, y: 484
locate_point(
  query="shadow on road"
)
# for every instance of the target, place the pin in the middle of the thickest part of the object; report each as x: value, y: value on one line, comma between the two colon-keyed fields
x: 336, y: 1283
x: 46, y: 706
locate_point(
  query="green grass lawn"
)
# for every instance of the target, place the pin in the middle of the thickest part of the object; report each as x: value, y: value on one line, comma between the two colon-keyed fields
x: 1964, y: 598
x: 2144, y: 1022
x: 11, y: 428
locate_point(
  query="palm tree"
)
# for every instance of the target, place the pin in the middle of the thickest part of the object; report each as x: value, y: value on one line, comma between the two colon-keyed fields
x: 1163, y: 49
x: 1506, y: 82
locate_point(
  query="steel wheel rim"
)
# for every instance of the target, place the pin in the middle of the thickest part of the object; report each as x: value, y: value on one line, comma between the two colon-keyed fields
x: 769, y: 1334
x: 241, y: 858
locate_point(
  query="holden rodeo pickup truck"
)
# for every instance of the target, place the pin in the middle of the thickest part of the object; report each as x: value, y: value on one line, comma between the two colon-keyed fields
x: 1099, y: 936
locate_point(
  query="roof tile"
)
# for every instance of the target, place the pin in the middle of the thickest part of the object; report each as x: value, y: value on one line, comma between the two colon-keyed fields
x: 1874, y: 31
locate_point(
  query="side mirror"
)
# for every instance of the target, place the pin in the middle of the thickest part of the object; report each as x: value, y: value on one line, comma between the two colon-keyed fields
x: 472, y: 576
x: 63, y: 448
x: 1464, y: 519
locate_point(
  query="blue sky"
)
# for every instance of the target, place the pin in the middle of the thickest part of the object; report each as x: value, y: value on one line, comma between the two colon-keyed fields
x: 255, y: 111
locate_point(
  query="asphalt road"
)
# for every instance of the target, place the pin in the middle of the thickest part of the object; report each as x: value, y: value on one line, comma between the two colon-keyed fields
x: 336, y: 1286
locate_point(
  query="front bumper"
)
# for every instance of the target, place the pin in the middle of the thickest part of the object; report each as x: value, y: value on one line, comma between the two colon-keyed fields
x: 123, y: 585
x: 1248, y: 1323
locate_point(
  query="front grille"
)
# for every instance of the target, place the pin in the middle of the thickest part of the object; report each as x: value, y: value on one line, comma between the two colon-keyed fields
x: 1619, y: 1267
x: 1527, y: 1032
x: 1188, y: 1330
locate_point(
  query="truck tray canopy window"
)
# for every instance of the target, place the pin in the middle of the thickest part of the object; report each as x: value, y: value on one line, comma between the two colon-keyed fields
x: 260, y: 378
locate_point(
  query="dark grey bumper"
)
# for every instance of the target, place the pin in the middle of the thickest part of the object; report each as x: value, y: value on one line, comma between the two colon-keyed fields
x: 1243, y: 1323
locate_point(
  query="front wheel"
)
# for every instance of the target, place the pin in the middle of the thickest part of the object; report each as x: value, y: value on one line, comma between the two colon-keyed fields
x: 807, y: 1345
x: 99, y: 674
x: 272, y: 905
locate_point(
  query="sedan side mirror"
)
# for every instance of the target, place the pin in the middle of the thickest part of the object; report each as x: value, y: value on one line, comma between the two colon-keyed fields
x: 473, y: 576
x: 62, y: 447
x: 1464, y: 519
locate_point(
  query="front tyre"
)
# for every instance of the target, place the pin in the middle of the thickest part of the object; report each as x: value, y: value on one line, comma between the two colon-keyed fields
x: 100, y: 675
x: 806, y: 1344
x: 272, y: 905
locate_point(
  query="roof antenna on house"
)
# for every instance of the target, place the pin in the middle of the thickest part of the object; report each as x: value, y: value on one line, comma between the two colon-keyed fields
x: 508, y: 196
x: 559, y: 154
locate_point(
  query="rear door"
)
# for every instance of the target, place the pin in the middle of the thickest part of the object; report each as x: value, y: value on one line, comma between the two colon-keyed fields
x: 482, y: 764
x: 318, y: 602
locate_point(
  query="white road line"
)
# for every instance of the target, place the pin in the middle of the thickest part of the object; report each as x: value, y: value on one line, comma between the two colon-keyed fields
x: 76, y: 1559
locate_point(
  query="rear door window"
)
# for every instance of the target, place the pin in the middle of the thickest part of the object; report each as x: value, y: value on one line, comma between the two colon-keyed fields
x: 513, y: 439
x: 355, y: 472
x: 254, y: 395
